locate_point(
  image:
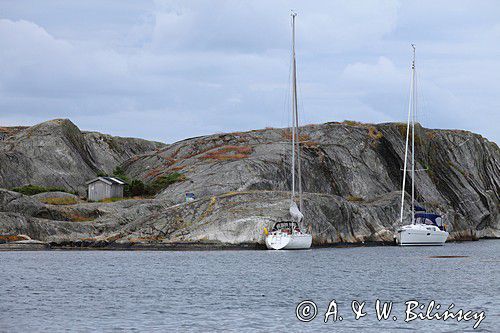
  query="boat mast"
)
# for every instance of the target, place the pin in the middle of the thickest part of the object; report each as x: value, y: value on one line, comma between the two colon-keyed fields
x: 413, y: 140
x: 293, y: 104
x: 295, y: 111
x: 410, y: 104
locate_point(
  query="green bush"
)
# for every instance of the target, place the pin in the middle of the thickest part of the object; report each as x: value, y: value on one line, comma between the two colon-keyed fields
x: 135, y: 188
x: 34, y: 189
x: 163, y: 182
x: 117, y: 172
x: 120, y: 173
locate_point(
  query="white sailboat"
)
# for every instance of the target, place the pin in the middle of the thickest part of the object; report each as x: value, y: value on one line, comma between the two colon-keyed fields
x: 425, y: 228
x: 290, y: 235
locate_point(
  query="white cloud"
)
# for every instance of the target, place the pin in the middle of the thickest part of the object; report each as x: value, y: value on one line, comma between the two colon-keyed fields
x: 381, y: 75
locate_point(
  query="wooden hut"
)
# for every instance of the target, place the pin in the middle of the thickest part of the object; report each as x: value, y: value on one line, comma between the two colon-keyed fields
x: 104, y: 188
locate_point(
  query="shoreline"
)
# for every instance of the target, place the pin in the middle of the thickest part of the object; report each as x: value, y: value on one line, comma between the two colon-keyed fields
x: 11, y: 247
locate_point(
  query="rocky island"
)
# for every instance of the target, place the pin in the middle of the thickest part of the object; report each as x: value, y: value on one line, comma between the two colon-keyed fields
x: 352, y: 178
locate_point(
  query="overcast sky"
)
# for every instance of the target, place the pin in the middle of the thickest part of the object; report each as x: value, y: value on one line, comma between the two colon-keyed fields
x: 167, y: 70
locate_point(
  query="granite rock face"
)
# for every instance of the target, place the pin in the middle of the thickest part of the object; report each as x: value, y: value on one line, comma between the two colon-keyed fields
x: 57, y: 153
x: 458, y: 172
x: 352, y: 178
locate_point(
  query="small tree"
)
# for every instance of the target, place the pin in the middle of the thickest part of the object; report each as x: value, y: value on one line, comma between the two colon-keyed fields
x: 163, y: 182
x: 120, y: 173
x: 135, y: 188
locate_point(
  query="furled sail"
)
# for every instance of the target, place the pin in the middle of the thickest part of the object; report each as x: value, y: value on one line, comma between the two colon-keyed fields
x: 295, y: 212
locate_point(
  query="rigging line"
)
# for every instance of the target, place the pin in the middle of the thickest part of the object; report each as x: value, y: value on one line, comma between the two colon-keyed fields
x: 417, y: 114
x: 297, y: 130
x: 421, y: 103
x: 286, y: 105
x: 301, y: 100
x: 406, y: 146
x: 293, y: 106
x: 417, y: 105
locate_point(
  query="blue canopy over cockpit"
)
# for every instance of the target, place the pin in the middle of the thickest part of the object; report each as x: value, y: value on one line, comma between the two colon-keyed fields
x: 430, y: 219
x: 419, y: 209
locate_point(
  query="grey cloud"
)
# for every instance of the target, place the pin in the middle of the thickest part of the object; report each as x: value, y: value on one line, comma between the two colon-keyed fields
x: 170, y: 69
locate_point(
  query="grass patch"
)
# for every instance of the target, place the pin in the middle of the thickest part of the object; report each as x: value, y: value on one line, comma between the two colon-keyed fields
x: 351, y: 123
x: 374, y: 133
x: 430, y: 135
x: 228, y: 153
x: 402, y: 129
x: 353, y: 198
x: 311, y: 144
x: 110, y: 200
x: 34, y: 189
x: 59, y: 201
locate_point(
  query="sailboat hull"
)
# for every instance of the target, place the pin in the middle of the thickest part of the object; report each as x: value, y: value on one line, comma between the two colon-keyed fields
x: 299, y: 242
x: 420, y: 235
x: 277, y: 241
x: 283, y: 241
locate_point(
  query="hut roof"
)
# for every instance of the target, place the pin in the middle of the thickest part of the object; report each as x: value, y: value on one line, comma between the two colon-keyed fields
x: 107, y: 180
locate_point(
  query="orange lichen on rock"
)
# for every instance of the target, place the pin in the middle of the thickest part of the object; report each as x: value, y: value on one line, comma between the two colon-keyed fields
x: 13, y: 238
x: 287, y: 134
x: 229, y: 153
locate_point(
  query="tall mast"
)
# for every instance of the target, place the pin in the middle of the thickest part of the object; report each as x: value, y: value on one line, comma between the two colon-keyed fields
x: 413, y: 140
x: 410, y: 104
x: 296, y: 112
x: 294, y: 101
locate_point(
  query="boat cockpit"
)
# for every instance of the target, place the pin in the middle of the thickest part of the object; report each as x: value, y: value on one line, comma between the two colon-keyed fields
x: 430, y: 219
x: 286, y: 227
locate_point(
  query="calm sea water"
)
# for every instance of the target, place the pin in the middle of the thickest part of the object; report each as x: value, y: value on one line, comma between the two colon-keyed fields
x: 92, y: 291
